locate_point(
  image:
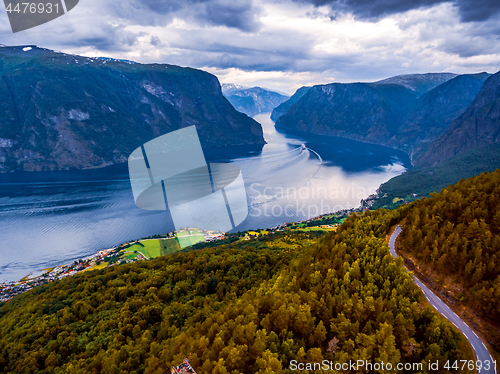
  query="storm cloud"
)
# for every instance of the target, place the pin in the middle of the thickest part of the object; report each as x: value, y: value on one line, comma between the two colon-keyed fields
x: 469, y: 10
x: 282, y: 44
x: 237, y: 14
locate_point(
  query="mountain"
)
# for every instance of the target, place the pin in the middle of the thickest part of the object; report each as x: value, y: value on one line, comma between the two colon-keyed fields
x: 404, y: 112
x: 231, y: 88
x: 423, y: 180
x: 477, y: 126
x: 252, y: 101
x: 284, y: 106
x: 419, y: 83
x: 251, y: 307
x: 359, y: 111
x: 60, y: 111
x: 454, y: 238
x: 434, y: 111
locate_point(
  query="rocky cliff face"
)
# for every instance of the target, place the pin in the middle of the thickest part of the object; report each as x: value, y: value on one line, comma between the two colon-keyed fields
x: 59, y: 111
x: 405, y: 112
x: 252, y: 101
x: 286, y: 105
x: 434, y: 111
x: 359, y: 111
x: 477, y: 126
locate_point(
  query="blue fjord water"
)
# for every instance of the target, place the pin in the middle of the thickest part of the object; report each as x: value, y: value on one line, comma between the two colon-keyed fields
x: 50, y: 218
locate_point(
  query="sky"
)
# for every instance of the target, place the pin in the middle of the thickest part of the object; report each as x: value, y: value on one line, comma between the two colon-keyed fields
x: 281, y: 44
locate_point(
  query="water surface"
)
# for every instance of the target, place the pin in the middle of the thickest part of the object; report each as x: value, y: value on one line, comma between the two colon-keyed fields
x: 49, y: 218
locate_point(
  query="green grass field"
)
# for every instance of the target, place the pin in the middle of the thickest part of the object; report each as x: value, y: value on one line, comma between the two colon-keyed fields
x: 168, y: 246
x: 130, y: 255
x: 160, y: 247
x: 150, y: 248
x: 186, y: 241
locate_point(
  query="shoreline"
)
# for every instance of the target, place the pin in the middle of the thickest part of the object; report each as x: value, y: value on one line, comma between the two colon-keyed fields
x: 97, y: 261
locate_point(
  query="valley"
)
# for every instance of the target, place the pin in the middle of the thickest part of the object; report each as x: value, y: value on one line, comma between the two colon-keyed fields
x: 318, y: 289
x: 338, y: 178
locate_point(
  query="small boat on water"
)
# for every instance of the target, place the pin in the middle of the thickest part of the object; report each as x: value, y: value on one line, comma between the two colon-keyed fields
x: 184, y: 368
x: 303, y: 146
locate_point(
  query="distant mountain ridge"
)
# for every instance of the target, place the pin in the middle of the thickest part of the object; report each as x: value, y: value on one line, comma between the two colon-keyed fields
x: 286, y: 105
x: 405, y: 112
x: 357, y: 111
x: 419, y: 83
x: 479, y: 125
x: 230, y: 88
x: 252, y: 101
x: 60, y: 111
x: 434, y: 111
x: 116, y: 60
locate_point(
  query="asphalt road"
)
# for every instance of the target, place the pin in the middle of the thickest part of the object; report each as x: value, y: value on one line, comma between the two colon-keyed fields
x: 480, y: 350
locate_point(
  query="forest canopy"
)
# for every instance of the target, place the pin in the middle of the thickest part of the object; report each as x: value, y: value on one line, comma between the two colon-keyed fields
x: 456, y: 234
x: 244, y: 307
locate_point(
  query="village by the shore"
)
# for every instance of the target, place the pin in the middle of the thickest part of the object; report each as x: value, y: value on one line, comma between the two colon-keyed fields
x: 100, y: 259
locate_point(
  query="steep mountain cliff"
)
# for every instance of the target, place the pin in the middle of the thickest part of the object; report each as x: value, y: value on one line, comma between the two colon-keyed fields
x: 359, y: 111
x: 435, y: 110
x: 252, y: 101
x: 477, y: 126
x: 60, y: 111
x: 404, y: 112
x: 283, y: 107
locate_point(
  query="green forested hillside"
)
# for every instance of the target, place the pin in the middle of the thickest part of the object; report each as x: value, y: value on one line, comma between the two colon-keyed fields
x: 422, y: 180
x: 457, y: 234
x: 247, y: 307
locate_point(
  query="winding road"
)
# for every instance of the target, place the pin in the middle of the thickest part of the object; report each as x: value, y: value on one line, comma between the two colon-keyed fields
x: 480, y: 350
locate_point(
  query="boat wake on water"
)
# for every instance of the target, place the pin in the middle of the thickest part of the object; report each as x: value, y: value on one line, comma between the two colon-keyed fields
x: 63, y: 216
x: 273, y: 176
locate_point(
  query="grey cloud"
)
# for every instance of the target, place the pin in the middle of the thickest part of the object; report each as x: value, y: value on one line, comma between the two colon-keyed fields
x: 275, y: 57
x: 156, y: 41
x: 106, y: 38
x: 272, y: 49
x: 165, y: 7
x: 372, y: 8
x: 467, y: 48
x: 238, y: 14
x: 478, y: 10
x: 259, y: 61
x: 469, y: 10
x: 225, y: 50
x: 478, y: 39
